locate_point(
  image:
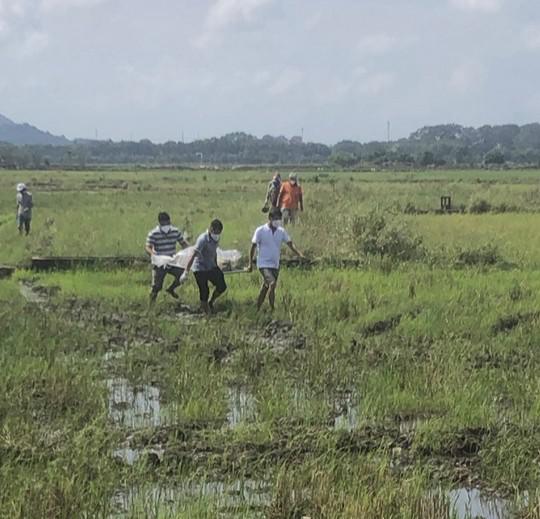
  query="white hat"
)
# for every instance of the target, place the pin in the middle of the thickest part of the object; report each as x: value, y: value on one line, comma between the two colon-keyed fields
x: 21, y: 186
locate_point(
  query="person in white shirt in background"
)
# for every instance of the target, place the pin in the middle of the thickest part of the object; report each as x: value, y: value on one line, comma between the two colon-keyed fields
x: 267, y: 242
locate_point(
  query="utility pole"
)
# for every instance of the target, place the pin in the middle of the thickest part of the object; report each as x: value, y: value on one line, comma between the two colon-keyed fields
x: 388, y: 132
x: 302, y: 134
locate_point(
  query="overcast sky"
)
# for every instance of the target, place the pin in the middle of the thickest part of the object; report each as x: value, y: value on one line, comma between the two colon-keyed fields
x: 340, y: 69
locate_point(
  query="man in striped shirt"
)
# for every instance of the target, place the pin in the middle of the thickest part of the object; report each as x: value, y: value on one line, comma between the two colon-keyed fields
x: 162, y: 241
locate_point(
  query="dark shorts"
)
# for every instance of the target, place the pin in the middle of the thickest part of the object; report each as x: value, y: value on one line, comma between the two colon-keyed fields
x: 269, y: 275
x: 23, y: 219
x: 214, y: 276
x: 159, y: 273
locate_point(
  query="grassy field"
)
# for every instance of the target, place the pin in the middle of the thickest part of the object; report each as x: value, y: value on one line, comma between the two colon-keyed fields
x: 407, y: 387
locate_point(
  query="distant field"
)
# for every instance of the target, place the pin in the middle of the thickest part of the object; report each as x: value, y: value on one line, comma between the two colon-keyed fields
x: 407, y: 387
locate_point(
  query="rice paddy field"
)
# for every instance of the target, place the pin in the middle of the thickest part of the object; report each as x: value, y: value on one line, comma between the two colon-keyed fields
x: 399, y: 376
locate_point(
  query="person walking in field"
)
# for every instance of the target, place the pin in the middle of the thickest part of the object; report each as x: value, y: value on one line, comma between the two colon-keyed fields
x: 266, y: 242
x: 24, y: 208
x: 290, y: 199
x: 272, y: 192
x: 205, y: 266
x: 161, y: 241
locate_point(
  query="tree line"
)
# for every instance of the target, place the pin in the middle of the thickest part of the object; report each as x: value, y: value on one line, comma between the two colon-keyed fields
x: 447, y: 145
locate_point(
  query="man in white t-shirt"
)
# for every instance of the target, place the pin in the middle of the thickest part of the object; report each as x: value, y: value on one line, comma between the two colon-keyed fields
x: 267, y: 242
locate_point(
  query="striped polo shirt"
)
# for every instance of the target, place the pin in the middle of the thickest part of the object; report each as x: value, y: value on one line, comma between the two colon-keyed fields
x: 164, y: 244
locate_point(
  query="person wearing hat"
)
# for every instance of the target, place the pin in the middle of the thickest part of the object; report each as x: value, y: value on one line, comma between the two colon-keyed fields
x: 290, y: 199
x: 24, y: 208
x: 272, y: 192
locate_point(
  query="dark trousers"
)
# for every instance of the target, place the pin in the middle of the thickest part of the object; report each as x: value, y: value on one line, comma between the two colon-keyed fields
x: 158, y: 276
x: 214, y: 276
x: 23, y: 221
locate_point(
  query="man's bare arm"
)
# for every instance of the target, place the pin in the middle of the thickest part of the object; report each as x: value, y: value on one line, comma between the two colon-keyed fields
x: 292, y: 246
x: 150, y: 249
x: 252, y: 251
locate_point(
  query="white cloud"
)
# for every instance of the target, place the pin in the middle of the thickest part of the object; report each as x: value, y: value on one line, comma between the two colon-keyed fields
x: 487, y: 6
x: 375, y: 84
x: 227, y: 13
x: 530, y: 37
x: 375, y: 44
x: 467, y: 77
x: 287, y: 80
x: 51, y: 5
x: 34, y: 43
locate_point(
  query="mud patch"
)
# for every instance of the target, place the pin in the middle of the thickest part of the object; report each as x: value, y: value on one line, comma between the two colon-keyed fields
x: 280, y: 336
x: 385, y: 325
x: 507, y: 323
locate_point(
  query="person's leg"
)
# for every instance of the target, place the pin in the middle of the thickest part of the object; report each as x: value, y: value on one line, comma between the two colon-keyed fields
x: 201, y: 278
x: 268, y: 279
x: 292, y: 216
x: 158, y: 274
x: 177, y: 273
x: 285, y: 215
x: 20, y: 224
x: 272, y: 288
x: 27, y: 226
x: 218, y: 280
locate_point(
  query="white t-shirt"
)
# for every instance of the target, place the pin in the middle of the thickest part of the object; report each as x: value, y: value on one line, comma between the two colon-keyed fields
x: 268, y: 243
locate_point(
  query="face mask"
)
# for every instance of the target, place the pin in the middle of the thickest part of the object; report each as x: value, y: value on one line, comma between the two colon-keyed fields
x: 276, y: 223
x: 215, y: 237
x: 293, y: 182
x: 165, y: 228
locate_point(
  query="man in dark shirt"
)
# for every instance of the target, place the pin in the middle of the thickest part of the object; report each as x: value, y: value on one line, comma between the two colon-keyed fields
x: 205, y: 267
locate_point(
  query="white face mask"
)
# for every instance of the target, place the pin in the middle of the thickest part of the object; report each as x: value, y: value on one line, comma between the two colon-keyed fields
x: 165, y: 228
x: 215, y: 237
x: 276, y: 223
x: 293, y: 182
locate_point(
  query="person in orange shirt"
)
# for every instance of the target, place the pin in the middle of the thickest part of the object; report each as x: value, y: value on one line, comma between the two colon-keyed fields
x: 290, y: 199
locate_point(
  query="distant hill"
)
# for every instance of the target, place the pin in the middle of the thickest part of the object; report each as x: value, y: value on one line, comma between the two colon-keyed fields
x: 21, y: 134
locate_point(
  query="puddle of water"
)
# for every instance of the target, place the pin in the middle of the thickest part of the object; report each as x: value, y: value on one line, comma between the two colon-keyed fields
x: 470, y: 503
x: 252, y: 493
x: 135, y: 407
x: 242, y: 406
x: 113, y: 355
x: 346, y: 412
x: 31, y: 295
x: 131, y: 456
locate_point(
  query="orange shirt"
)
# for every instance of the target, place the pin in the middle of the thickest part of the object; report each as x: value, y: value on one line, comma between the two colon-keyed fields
x: 290, y: 195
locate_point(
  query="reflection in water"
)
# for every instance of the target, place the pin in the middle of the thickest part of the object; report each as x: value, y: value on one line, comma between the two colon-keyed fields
x: 470, y: 503
x: 242, y: 406
x: 159, y: 499
x: 134, y: 406
x: 346, y: 412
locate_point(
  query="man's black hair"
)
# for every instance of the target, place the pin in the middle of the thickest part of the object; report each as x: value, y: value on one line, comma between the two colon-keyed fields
x: 274, y: 214
x: 216, y: 225
x: 163, y: 217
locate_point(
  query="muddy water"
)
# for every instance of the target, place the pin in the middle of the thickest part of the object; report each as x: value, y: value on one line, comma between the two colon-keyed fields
x: 471, y: 503
x: 135, y: 407
x: 242, y: 406
x: 155, y: 499
x: 346, y: 412
x: 31, y: 295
